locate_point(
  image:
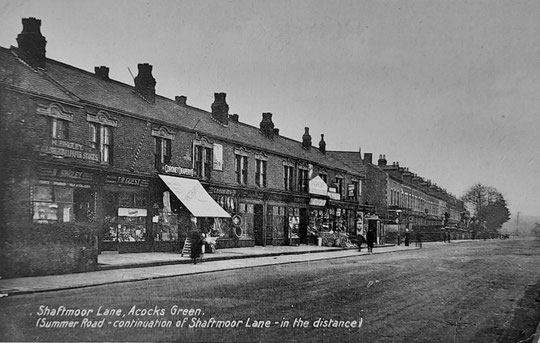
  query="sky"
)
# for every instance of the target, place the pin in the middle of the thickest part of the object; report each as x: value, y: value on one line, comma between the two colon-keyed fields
x: 449, y: 89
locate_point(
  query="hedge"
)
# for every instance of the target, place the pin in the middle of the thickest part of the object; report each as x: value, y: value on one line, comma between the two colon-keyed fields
x: 45, y: 249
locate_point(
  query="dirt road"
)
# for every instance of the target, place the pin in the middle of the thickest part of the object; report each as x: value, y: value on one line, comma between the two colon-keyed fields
x: 482, y: 291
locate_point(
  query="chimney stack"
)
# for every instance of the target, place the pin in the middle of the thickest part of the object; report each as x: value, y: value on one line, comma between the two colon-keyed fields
x: 306, y: 139
x: 220, y: 109
x: 276, y: 132
x: 322, y: 145
x: 368, y: 157
x: 102, y: 72
x: 266, y: 125
x: 234, y: 117
x: 382, y: 160
x: 145, y: 84
x: 32, y: 43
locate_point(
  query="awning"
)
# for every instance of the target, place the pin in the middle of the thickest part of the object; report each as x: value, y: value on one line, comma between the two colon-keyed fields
x: 192, y: 194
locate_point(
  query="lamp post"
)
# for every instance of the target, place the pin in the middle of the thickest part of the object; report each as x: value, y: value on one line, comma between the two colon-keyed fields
x: 399, y: 226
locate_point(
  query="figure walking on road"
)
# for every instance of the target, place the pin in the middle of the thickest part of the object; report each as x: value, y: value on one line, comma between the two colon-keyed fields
x: 419, y: 239
x: 370, y: 238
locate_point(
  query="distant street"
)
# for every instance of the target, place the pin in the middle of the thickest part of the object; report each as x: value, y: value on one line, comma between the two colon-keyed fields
x: 482, y: 291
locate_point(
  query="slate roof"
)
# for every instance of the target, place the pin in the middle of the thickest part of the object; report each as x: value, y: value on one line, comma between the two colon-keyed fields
x: 65, y: 82
x: 353, y: 159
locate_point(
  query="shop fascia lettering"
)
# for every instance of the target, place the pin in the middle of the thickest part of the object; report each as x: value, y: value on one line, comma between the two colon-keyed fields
x: 177, y: 170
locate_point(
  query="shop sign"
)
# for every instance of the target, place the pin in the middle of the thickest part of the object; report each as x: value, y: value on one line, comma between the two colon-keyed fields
x: 65, y: 173
x: 61, y: 148
x: 318, y: 186
x: 178, y: 170
x: 224, y: 191
x: 351, y: 190
x: 251, y: 194
x: 126, y: 181
x: 334, y: 195
x: 64, y: 184
x: 317, y: 202
x: 217, y: 163
x: 131, y: 212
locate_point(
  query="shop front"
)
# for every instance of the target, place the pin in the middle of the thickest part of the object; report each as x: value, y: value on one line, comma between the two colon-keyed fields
x: 181, y: 203
x: 63, y: 194
x: 126, y: 214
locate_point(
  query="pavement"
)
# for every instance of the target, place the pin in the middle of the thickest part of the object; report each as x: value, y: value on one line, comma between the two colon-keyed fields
x: 117, y: 268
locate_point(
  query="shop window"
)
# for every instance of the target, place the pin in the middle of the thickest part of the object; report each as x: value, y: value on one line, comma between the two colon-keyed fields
x: 59, y: 128
x: 53, y: 204
x: 241, y: 168
x: 203, y: 162
x: 162, y: 152
x: 303, y: 182
x: 260, y: 173
x: 101, y: 137
x: 288, y: 177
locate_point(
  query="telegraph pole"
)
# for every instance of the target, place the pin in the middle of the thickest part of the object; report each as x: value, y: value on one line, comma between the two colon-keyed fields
x: 517, y: 224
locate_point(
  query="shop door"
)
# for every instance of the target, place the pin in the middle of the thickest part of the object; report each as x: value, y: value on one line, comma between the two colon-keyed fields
x: 304, y: 222
x: 258, y: 222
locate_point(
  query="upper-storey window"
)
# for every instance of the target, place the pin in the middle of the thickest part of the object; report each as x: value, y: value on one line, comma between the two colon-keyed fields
x: 241, y: 169
x: 303, y: 182
x: 59, y: 128
x: 162, y: 151
x: 101, y: 127
x: 163, y: 138
x: 353, y: 190
x: 339, y: 185
x: 288, y: 176
x: 260, y: 172
x: 203, y: 161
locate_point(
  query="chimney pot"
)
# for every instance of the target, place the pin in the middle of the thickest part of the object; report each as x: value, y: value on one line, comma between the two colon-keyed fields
x: 180, y: 100
x: 306, y: 139
x: 31, y: 42
x: 276, y: 131
x: 145, y: 84
x: 382, y: 160
x: 322, y: 145
x: 234, y: 117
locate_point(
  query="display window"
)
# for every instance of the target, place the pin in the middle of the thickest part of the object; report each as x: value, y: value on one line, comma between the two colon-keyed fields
x: 125, y: 216
x: 60, y: 204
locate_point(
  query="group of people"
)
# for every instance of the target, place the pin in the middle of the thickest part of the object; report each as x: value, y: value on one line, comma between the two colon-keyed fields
x: 369, y: 240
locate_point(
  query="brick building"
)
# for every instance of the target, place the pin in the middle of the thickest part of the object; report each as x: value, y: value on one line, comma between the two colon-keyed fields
x: 83, y: 148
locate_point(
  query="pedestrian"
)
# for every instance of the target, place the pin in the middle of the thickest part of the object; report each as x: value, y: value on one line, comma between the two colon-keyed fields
x: 407, y: 237
x: 370, y: 238
x: 448, y: 238
x: 196, y: 238
x: 361, y: 240
x: 418, y: 239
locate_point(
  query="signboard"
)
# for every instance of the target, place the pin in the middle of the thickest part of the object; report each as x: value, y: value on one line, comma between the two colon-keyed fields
x: 178, y: 170
x: 65, y: 173
x: 126, y: 180
x: 317, y: 202
x: 131, y: 212
x: 318, y: 186
x: 334, y: 196
x: 217, y: 162
x: 60, y: 148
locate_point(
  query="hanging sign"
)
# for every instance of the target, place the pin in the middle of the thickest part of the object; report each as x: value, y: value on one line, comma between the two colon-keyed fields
x: 318, y: 186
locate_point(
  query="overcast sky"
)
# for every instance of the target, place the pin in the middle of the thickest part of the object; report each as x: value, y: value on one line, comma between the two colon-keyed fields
x: 450, y: 89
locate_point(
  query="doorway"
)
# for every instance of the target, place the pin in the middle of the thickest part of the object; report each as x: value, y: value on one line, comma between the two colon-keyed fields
x: 258, y: 224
